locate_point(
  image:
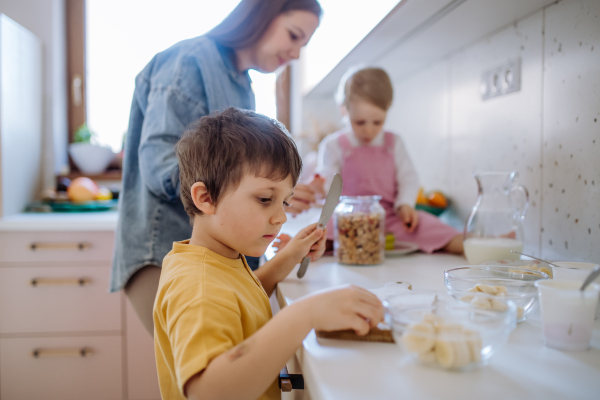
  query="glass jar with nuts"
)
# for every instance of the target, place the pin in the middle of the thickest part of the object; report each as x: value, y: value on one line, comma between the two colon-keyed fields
x: 359, y: 226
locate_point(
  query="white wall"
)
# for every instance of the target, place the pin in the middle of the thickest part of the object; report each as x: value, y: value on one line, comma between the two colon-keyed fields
x: 46, y: 19
x: 549, y: 131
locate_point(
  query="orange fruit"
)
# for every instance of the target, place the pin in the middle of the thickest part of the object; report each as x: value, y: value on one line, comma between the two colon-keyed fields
x: 421, y: 198
x: 437, y: 199
x: 82, y: 189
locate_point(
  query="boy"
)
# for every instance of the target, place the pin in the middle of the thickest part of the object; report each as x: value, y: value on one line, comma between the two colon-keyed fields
x: 214, y: 336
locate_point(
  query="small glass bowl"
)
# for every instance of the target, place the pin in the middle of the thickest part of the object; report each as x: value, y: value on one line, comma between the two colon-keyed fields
x: 519, y: 284
x: 453, y: 336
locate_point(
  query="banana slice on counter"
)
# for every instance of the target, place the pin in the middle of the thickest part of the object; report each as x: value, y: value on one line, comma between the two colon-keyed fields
x: 419, y: 338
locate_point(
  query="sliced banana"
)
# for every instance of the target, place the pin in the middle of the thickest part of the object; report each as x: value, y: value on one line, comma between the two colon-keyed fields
x: 475, y: 346
x: 474, y: 290
x: 547, y: 271
x: 462, y: 352
x: 482, y: 302
x: 485, y: 288
x: 498, y: 305
x: 467, y: 299
x: 445, y: 353
x: 500, y: 290
x: 419, y: 338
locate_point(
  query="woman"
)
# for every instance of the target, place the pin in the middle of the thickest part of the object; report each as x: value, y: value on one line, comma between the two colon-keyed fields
x: 181, y: 84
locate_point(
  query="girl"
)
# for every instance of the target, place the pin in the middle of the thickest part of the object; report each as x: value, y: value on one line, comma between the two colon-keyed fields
x: 191, y: 79
x: 375, y: 162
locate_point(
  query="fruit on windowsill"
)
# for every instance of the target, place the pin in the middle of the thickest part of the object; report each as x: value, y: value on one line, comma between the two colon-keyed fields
x: 437, y: 199
x: 83, y: 189
x: 421, y: 198
x: 104, y: 194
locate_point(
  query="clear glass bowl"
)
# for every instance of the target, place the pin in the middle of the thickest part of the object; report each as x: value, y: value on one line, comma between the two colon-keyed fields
x: 453, y: 336
x: 519, y: 284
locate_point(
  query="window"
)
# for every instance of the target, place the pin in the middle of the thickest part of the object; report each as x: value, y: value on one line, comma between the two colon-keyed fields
x: 122, y: 37
x: 343, y: 25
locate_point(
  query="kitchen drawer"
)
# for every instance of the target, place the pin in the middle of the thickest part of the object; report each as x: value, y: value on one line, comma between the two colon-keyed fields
x: 58, y: 302
x: 60, y: 371
x: 142, y: 378
x: 56, y: 246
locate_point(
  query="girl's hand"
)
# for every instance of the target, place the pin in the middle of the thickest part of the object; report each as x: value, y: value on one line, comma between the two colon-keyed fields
x: 304, y: 196
x: 318, y: 185
x: 349, y: 307
x: 309, y: 242
x: 409, y: 217
x: 283, y: 241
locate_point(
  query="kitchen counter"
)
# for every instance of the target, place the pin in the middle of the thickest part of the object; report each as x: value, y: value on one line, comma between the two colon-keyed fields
x: 336, y: 369
x: 88, y: 221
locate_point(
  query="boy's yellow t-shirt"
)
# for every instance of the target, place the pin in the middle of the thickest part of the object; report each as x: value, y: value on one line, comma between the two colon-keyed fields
x: 206, y: 304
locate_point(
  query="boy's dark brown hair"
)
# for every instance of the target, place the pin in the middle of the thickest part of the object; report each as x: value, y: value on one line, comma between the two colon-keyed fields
x: 220, y: 148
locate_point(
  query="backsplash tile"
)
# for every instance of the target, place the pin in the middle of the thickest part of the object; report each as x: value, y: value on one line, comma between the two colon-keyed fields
x: 571, y: 148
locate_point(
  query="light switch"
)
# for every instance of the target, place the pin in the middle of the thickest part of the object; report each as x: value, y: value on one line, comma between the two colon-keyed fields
x: 501, y: 80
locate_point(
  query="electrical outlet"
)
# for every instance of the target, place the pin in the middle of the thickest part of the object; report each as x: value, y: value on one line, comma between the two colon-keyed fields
x: 501, y: 80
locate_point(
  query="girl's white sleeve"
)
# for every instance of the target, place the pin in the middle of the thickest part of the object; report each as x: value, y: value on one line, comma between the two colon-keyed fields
x: 406, y: 176
x: 329, y: 159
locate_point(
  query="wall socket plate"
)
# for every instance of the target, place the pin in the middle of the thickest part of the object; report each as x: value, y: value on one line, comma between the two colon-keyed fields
x: 501, y: 80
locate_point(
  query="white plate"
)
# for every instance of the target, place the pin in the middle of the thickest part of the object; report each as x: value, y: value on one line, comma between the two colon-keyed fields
x: 401, y: 248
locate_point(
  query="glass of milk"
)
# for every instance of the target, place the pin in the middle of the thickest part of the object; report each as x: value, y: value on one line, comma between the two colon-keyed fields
x: 495, y: 225
x: 567, y: 313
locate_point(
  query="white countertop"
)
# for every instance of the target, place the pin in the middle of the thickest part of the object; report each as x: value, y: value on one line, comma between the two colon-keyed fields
x: 336, y: 369
x: 84, y: 221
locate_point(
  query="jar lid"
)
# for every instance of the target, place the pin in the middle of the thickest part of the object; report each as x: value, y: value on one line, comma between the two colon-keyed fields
x: 359, y: 198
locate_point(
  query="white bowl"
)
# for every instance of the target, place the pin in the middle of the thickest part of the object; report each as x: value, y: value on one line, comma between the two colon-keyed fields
x: 572, y: 271
x: 89, y: 158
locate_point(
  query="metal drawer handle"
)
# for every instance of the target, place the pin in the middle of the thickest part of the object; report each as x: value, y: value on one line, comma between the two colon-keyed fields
x: 81, y: 246
x: 72, y: 352
x: 60, y: 281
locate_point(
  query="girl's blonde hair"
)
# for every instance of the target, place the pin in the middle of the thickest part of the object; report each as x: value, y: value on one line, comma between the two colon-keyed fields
x: 372, y: 85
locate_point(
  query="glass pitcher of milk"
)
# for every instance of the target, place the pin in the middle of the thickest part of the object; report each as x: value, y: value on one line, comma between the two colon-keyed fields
x: 495, y: 226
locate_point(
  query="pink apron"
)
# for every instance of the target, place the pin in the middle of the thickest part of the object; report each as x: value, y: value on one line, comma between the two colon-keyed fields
x: 370, y: 171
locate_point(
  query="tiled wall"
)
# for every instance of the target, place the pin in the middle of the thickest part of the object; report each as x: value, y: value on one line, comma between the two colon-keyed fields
x: 549, y: 131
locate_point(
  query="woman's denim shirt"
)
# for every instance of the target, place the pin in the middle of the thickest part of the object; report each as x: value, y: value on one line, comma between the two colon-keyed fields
x: 181, y: 84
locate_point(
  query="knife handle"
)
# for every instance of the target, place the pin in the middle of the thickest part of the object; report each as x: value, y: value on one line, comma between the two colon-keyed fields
x: 303, y: 267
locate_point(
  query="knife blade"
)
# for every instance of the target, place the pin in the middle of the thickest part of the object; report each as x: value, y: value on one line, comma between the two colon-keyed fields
x: 333, y: 198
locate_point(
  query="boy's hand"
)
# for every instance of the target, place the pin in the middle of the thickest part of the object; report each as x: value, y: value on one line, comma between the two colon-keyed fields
x: 349, y: 307
x: 309, y: 242
x: 408, y: 216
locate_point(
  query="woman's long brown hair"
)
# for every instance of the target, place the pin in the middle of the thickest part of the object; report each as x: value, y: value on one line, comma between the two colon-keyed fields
x: 246, y: 24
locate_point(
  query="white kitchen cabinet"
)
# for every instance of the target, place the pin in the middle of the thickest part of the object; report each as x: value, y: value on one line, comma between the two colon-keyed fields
x: 62, y: 334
